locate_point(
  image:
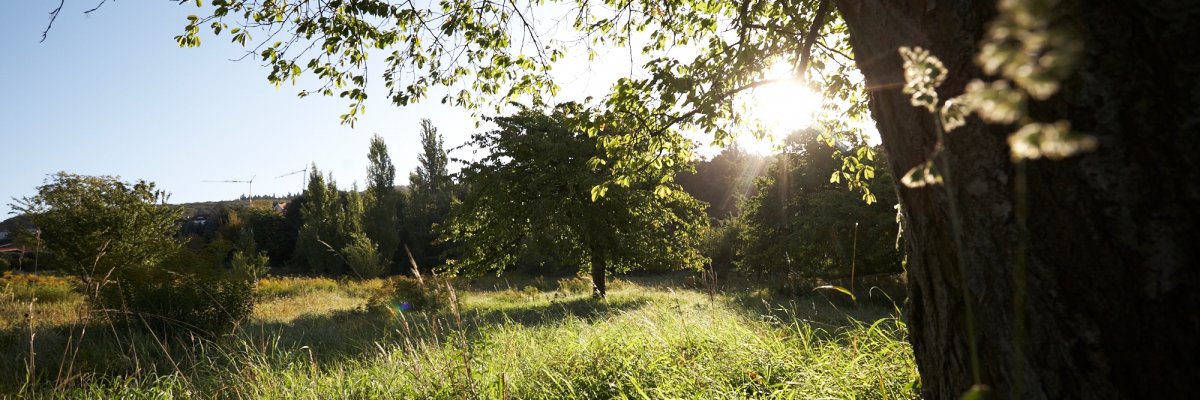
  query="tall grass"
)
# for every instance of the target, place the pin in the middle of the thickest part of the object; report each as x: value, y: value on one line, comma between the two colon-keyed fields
x: 644, y: 341
x: 22, y: 287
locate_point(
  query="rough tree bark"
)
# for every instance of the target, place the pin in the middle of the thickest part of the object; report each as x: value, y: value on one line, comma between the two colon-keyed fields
x: 1112, y: 305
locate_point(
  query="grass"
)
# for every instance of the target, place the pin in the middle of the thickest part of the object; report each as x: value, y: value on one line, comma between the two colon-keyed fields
x: 310, y: 339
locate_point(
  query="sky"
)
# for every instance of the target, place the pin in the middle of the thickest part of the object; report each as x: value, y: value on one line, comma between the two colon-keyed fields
x: 111, y: 93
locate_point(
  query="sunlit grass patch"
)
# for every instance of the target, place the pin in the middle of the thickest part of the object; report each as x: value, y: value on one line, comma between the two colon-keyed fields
x: 23, y: 287
x: 529, y: 341
x: 272, y: 287
x: 286, y: 309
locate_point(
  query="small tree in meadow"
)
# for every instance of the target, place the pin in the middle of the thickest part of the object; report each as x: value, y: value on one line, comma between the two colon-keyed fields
x: 97, y: 227
x: 541, y: 176
x: 121, y: 241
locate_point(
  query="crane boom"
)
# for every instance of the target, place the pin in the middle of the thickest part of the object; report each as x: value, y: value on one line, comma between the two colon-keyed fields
x: 249, y: 189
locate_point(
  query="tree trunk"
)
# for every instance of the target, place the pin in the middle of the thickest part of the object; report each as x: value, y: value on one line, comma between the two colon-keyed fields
x: 598, y: 265
x: 1112, y: 299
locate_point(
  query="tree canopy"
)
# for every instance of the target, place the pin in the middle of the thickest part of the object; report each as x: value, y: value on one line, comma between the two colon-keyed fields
x: 801, y: 223
x: 381, y: 221
x: 431, y: 190
x: 487, y: 54
x: 96, y: 226
x: 539, y: 180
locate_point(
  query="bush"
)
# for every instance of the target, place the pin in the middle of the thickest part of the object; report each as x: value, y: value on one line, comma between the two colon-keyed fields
x: 254, y: 266
x: 363, y: 257
x: 721, y: 242
x: 367, y: 288
x: 187, y: 295
x: 409, y: 294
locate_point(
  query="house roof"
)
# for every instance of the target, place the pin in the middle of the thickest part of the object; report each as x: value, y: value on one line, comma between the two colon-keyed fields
x: 12, y: 249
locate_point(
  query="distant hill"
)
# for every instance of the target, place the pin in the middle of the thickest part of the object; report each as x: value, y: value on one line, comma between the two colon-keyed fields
x: 211, y: 207
x: 189, y: 210
x: 17, y: 222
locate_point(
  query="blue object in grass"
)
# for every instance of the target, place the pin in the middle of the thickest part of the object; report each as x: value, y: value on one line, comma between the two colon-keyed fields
x: 405, y: 306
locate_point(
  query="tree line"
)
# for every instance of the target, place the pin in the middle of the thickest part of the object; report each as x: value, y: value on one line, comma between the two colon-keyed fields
x: 531, y: 204
x: 362, y: 233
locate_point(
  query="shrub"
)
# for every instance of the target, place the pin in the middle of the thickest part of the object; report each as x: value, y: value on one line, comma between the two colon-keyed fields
x: 96, y: 226
x: 721, y: 242
x: 120, y: 240
x: 363, y: 257
x: 4, y: 264
x: 185, y: 295
x: 254, y: 266
x: 410, y: 294
x: 530, y: 291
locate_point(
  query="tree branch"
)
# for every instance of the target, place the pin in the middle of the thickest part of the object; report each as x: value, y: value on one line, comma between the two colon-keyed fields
x: 811, y: 36
x: 53, y: 16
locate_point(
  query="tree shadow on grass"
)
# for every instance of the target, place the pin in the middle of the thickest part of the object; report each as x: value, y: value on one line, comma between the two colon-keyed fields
x: 540, y: 314
x: 98, y: 350
x: 354, y: 333
x: 828, y: 315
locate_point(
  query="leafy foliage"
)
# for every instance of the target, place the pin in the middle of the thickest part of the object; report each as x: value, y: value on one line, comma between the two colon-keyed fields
x: 381, y: 223
x: 187, y: 294
x: 723, y: 243
x: 431, y: 190
x: 328, y: 223
x: 724, y: 181
x: 98, y: 227
x: 121, y: 241
x: 363, y: 257
x: 1033, y: 46
x: 541, y: 177
x: 463, y: 44
x: 412, y: 294
x: 799, y: 223
x: 272, y: 233
x: 252, y: 265
x: 491, y: 53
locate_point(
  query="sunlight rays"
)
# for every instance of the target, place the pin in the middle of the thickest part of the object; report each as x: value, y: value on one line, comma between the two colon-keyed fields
x: 776, y: 109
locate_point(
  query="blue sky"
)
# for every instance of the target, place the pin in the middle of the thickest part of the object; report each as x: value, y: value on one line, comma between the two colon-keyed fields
x: 112, y: 93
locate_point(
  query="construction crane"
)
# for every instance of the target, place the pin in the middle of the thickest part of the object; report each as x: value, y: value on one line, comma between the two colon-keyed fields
x: 303, y: 182
x: 249, y: 188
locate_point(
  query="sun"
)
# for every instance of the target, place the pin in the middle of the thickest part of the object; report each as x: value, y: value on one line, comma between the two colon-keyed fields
x: 777, y: 109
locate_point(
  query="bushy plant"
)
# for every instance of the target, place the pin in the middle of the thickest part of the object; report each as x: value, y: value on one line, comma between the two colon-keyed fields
x: 94, y: 227
x: 120, y: 240
x: 363, y: 258
x: 183, y: 296
x: 254, y: 266
x: 721, y: 242
x: 410, y: 294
